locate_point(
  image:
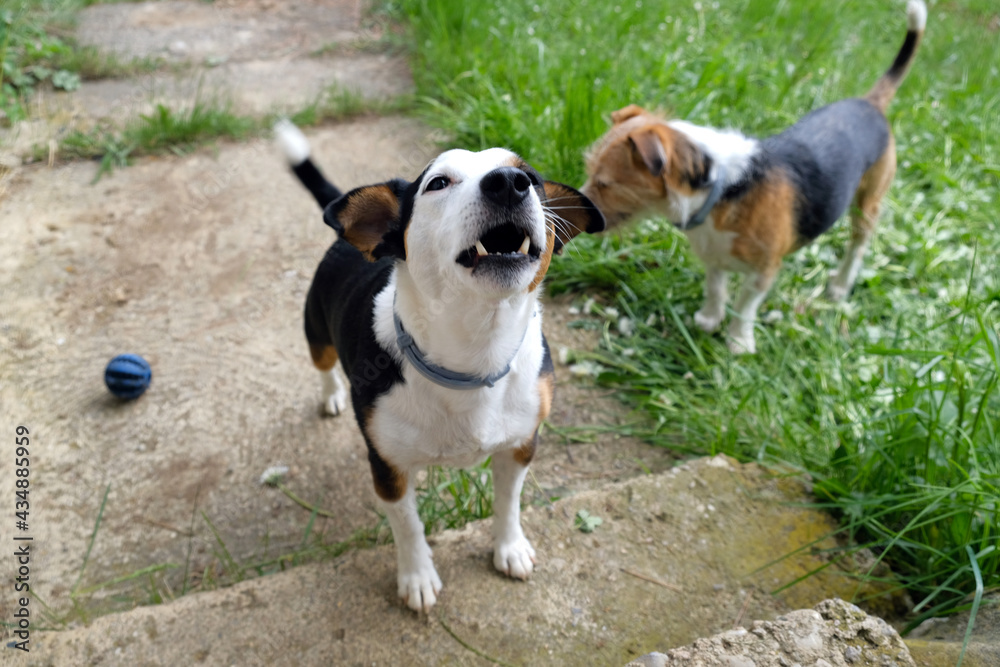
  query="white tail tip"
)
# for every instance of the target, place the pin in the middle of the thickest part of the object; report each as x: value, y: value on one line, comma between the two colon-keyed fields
x: 916, y: 15
x: 292, y: 142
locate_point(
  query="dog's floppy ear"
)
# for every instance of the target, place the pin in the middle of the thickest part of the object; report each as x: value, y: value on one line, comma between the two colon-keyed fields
x: 570, y: 212
x: 369, y: 218
x: 648, y: 145
x: 622, y: 115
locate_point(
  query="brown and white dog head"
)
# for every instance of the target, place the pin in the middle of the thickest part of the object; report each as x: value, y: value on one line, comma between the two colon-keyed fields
x: 639, y: 164
x: 485, y: 221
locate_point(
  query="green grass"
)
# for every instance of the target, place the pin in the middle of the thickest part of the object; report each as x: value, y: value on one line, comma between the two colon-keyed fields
x: 37, y: 49
x: 891, y: 401
x: 180, y: 131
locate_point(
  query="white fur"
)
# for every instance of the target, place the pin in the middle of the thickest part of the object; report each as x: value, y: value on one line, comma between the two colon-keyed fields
x: 334, y: 391
x: 729, y: 148
x: 293, y: 143
x: 916, y: 15
x: 466, y: 323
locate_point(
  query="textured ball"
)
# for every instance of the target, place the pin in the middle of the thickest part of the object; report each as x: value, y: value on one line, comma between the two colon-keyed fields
x: 127, y: 376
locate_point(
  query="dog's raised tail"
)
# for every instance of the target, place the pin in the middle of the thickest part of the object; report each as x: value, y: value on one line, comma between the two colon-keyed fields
x: 885, y: 88
x: 295, y: 146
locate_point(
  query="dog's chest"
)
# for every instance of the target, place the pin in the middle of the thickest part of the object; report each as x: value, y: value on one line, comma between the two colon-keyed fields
x: 419, y: 424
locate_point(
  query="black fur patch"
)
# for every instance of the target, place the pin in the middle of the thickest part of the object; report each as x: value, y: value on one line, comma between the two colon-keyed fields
x: 904, y: 56
x: 322, y: 190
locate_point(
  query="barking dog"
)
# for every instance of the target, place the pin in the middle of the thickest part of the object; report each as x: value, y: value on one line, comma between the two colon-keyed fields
x: 428, y: 301
x: 744, y: 204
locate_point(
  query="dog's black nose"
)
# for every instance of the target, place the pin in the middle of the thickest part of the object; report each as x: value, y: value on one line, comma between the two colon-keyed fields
x: 505, y: 186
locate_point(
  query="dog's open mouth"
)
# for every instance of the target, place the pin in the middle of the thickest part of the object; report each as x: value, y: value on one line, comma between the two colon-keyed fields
x: 502, y: 244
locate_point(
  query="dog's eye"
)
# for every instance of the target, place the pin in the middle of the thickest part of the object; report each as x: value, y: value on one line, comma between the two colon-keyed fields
x: 437, y: 183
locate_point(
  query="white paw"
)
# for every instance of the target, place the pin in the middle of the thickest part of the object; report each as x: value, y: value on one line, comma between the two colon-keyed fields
x: 707, y: 323
x: 335, y: 403
x: 419, y: 589
x: 515, y: 558
x: 742, y: 344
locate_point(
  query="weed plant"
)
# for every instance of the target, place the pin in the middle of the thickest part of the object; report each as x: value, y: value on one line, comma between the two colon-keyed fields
x: 37, y: 49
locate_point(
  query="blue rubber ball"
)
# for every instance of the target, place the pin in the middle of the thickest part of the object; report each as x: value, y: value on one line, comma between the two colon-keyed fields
x: 128, y: 376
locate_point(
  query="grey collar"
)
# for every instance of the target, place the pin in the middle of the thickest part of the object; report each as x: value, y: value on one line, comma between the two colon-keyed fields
x: 442, y: 376
x: 718, y: 185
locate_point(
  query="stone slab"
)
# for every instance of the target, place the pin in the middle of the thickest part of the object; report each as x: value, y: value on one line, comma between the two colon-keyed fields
x: 679, y: 555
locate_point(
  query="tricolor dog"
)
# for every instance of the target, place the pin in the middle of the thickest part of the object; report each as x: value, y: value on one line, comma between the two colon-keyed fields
x: 429, y: 302
x: 745, y: 203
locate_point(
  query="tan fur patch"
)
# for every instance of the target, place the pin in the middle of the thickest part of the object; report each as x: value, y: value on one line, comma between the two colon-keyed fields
x: 874, y: 185
x: 764, y: 223
x: 623, y: 114
x: 516, y: 162
x: 546, y: 390
x: 324, y: 356
x: 367, y: 215
x: 545, y: 259
x: 526, y: 452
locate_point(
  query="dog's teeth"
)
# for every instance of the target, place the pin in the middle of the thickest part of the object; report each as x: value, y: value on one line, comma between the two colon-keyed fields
x: 481, y: 249
x: 524, y: 246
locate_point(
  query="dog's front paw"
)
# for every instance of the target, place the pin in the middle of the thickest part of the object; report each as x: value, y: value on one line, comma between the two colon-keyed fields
x: 515, y: 558
x: 419, y: 589
x: 707, y: 322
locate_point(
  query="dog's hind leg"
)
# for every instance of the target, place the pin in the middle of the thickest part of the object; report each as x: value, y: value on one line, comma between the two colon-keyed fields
x: 334, y: 390
x: 709, y: 317
x: 752, y: 292
x: 864, y: 217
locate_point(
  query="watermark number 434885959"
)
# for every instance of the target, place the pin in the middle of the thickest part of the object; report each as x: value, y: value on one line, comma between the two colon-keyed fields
x: 21, y: 623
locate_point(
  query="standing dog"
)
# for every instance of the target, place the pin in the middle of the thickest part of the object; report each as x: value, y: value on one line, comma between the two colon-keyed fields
x: 428, y: 301
x: 744, y: 204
